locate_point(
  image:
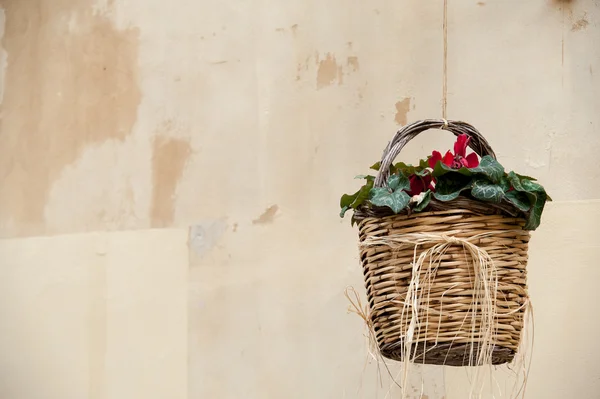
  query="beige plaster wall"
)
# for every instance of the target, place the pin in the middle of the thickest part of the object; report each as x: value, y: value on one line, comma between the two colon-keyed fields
x: 170, y: 175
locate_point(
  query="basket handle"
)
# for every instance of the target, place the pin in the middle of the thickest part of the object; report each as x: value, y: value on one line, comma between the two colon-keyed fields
x: 478, y: 143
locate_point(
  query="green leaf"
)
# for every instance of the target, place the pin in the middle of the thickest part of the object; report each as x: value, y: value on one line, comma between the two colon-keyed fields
x: 536, y: 195
x: 449, y: 186
x: 424, y: 202
x: 368, y: 177
x: 519, y: 199
x: 348, y: 199
x: 362, y: 195
x: 505, y: 183
x: 405, y: 169
x: 490, y: 168
x: 355, y: 200
x: 535, y: 216
x: 441, y: 169
x: 395, y: 200
x: 486, y: 191
x: 532, y: 186
x: 376, y: 166
x: 409, y: 170
x: 446, y: 197
x: 398, y: 182
x: 515, y: 181
x: 343, y: 211
x: 525, y: 177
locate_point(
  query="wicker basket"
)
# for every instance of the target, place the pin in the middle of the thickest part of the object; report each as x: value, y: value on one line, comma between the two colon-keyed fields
x: 435, y: 314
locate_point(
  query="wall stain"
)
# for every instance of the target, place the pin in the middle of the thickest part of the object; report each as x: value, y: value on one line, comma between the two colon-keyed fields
x: 340, y: 75
x: 327, y: 71
x: 268, y: 216
x: 580, y: 24
x: 480, y: 3
x: 169, y: 157
x: 402, y: 108
x: 68, y: 86
x: 352, y: 62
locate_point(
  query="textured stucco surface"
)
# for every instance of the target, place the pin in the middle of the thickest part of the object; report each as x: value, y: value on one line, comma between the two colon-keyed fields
x: 170, y: 175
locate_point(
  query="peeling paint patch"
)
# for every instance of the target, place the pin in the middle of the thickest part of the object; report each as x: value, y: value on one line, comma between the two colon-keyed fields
x: 169, y: 157
x: 205, y: 236
x: 327, y: 72
x: 352, y: 62
x: 580, y: 24
x: 268, y: 216
x: 54, y: 106
x: 402, y: 108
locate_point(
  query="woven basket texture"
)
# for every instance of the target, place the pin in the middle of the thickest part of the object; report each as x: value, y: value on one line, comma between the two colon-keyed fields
x: 449, y: 330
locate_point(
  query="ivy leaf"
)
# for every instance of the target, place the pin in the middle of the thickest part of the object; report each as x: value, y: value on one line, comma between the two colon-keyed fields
x: 343, y: 211
x: 490, y: 168
x: 348, y: 199
x: 535, y: 216
x: 525, y: 177
x: 395, y: 200
x: 515, y: 181
x: 398, y: 182
x: 486, y: 191
x: 355, y: 200
x: 519, y: 199
x: 362, y: 195
x: 405, y: 169
x: 450, y: 186
x: 535, y: 193
x: 531, y: 186
x: 446, y: 197
x: 441, y: 169
x: 424, y: 202
x: 368, y: 177
x: 377, y: 165
x: 505, y: 183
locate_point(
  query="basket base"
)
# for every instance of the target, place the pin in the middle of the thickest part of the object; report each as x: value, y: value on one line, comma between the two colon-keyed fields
x: 458, y: 355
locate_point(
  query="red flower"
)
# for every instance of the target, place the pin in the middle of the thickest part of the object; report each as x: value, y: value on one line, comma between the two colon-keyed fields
x: 459, y: 159
x: 418, y: 184
x: 436, y: 156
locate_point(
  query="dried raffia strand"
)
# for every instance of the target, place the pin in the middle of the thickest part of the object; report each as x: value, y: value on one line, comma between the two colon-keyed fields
x: 451, y: 295
x: 460, y: 285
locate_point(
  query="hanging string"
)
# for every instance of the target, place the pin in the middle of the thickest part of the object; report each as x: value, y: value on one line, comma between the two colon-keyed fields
x: 445, y: 73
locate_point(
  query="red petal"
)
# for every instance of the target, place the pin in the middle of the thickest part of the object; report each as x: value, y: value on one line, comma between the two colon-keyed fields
x: 460, y: 147
x: 472, y: 160
x: 416, y: 185
x: 434, y: 158
x: 448, y: 158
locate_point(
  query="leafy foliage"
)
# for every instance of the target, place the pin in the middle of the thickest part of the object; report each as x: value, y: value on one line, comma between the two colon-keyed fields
x: 487, y: 182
